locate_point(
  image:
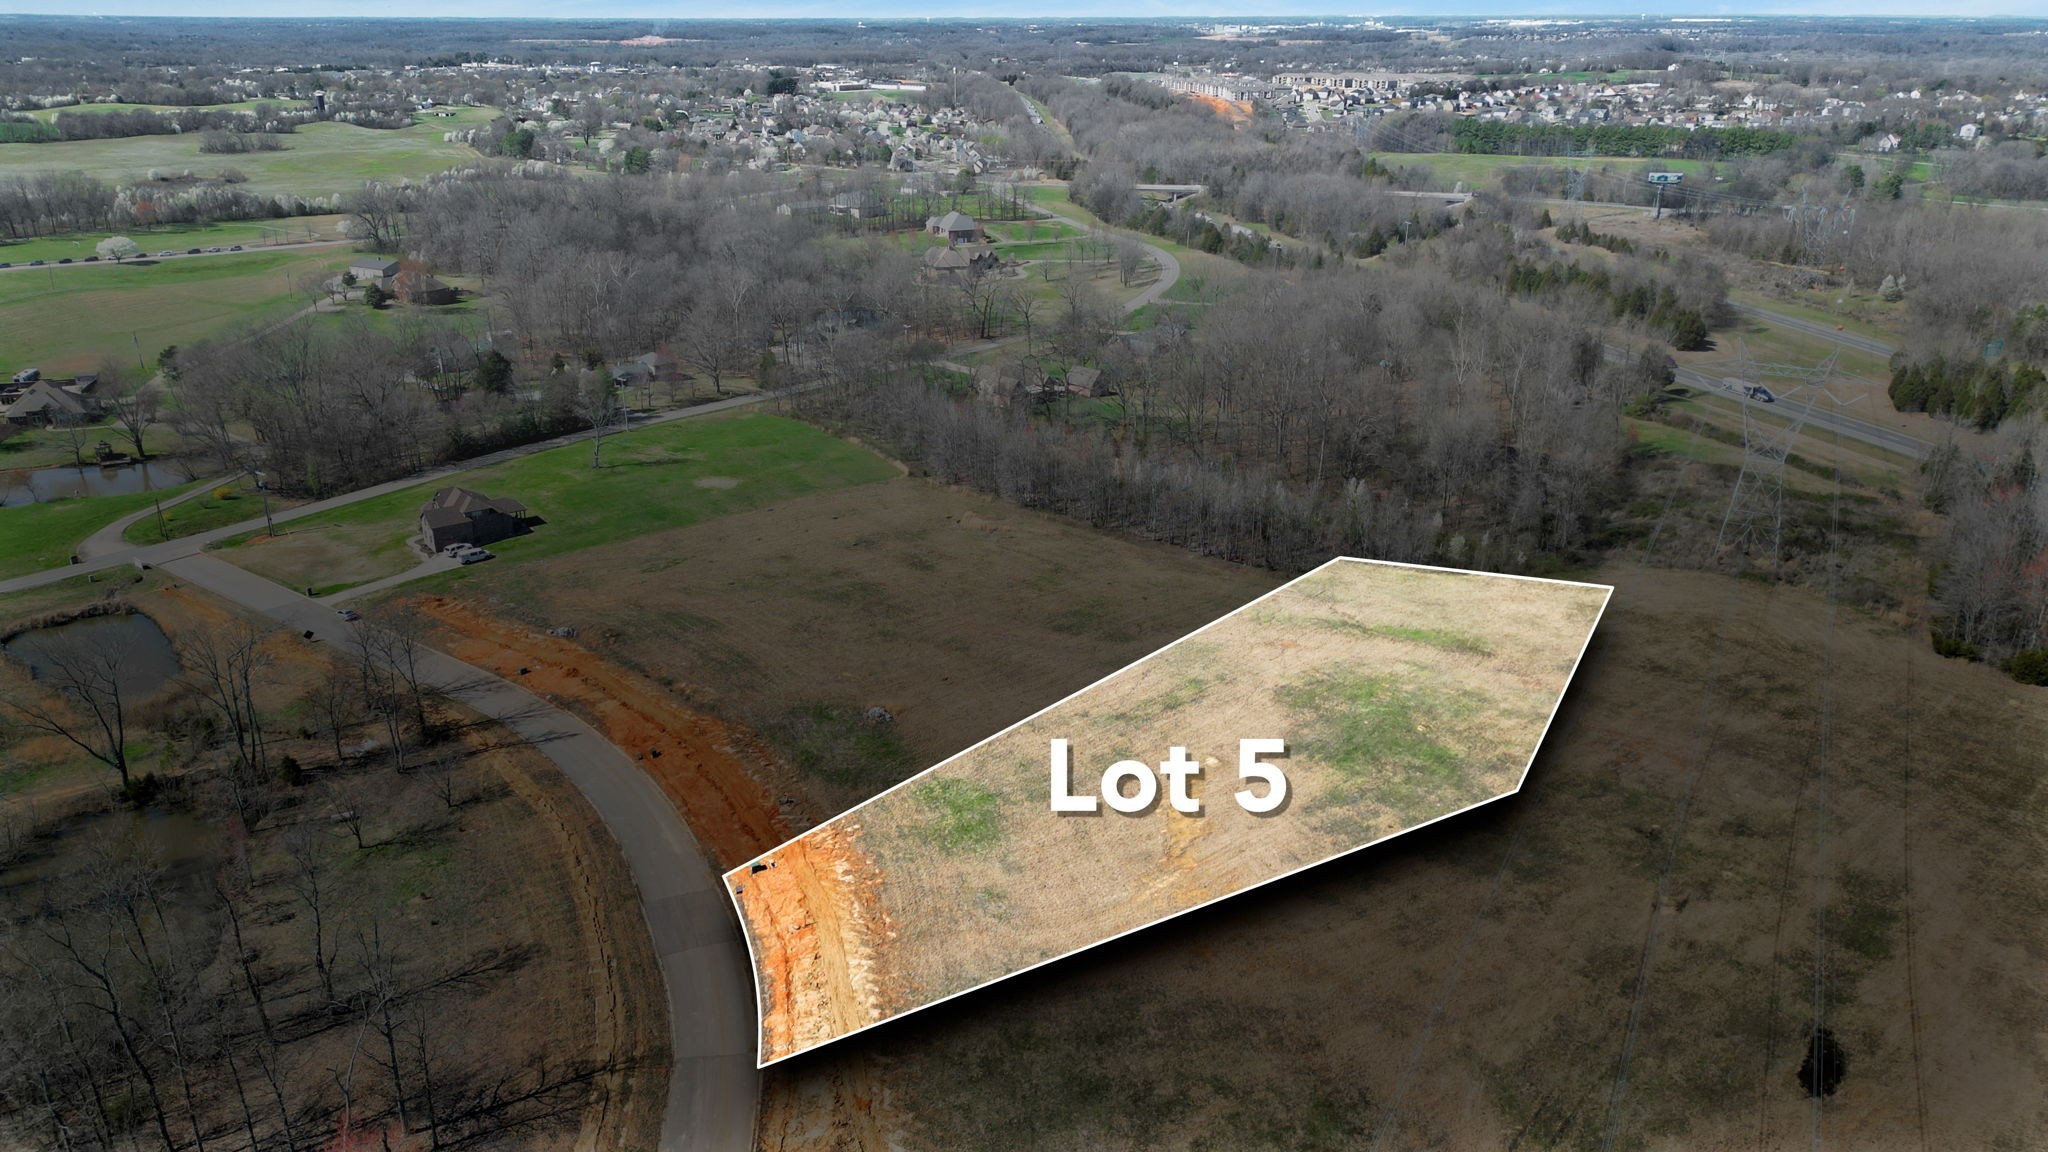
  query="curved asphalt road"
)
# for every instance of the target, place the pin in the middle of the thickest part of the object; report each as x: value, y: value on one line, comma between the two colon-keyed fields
x: 714, y: 1088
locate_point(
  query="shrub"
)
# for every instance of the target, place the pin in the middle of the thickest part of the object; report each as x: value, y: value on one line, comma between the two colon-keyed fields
x: 143, y: 789
x: 1953, y: 647
x: 289, y: 772
x: 2029, y: 667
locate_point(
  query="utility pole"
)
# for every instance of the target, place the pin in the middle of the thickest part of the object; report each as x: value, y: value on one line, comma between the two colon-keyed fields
x: 269, y: 527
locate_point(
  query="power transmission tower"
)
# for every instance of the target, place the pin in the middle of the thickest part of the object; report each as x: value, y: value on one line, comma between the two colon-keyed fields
x: 1577, y: 190
x: 1755, y: 519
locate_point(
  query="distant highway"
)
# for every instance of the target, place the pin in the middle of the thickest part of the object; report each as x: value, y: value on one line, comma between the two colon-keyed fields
x: 1876, y: 435
x: 1815, y: 328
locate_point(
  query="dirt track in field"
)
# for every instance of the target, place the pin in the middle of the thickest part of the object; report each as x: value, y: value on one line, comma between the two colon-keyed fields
x: 717, y: 774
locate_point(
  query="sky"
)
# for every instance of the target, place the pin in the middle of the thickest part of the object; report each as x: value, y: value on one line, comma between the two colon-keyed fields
x: 1016, y: 9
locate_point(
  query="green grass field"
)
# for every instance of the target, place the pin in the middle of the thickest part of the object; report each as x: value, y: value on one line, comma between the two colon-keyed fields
x: 65, y: 319
x: 1817, y: 306
x: 318, y: 160
x: 667, y: 476
x: 177, y: 237
x: 1029, y: 230
x: 38, y: 536
x: 48, y: 114
x: 1484, y: 171
x: 227, y: 502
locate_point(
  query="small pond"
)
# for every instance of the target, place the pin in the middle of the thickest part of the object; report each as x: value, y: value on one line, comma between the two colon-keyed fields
x: 146, y: 663
x: 40, y: 485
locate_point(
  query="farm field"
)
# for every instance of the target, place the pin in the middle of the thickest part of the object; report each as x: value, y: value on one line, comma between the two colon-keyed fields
x: 1442, y: 975
x: 49, y: 114
x: 65, y: 320
x: 1479, y: 171
x: 963, y: 876
x: 176, y: 237
x: 653, y: 478
x: 318, y: 160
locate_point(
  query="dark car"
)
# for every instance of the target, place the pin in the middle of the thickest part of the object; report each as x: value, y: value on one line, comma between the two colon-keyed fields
x: 236, y: 248
x: 5, y: 264
x: 65, y: 260
x: 191, y: 251
x: 37, y: 263
x: 89, y: 260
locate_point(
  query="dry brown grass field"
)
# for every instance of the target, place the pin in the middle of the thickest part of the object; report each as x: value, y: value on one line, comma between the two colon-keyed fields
x: 964, y: 875
x: 1467, y: 985
x: 1471, y: 985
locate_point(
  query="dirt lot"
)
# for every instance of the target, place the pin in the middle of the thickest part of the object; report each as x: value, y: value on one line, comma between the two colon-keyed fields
x: 1466, y: 986
x: 1391, y: 719
x: 503, y: 901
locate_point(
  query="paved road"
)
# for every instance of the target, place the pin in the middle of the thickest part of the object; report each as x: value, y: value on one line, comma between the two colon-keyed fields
x: 1169, y: 275
x: 181, y: 254
x: 1876, y: 435
x: 1891, y: 440
x: 189, y: 545
x: 715, y: 1088
x: 109, y: 539
x: 1815, y: 328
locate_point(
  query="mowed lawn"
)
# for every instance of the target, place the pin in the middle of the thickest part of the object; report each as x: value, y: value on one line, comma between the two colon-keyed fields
x: 668, y: 476
x: 64, y: 320
x: 318, y: 159
x: 38, y: 536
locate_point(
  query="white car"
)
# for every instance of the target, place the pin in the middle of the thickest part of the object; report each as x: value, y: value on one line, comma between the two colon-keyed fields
x: 474, y: 556
x: 457, y: 549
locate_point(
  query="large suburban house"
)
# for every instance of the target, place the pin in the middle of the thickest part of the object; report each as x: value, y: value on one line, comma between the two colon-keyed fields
x: 377, y: 270
x: 415, y: 286
x: 47, y: 403
x: 464, y: 516
x: 959, y: 259
x: 1002, y: 385
x: 956, y: 227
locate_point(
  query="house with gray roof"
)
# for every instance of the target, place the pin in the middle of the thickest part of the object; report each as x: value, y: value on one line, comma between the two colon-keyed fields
x: 466, y: 516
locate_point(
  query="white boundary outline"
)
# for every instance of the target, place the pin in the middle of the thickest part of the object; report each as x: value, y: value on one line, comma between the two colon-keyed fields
x: 726, y: 878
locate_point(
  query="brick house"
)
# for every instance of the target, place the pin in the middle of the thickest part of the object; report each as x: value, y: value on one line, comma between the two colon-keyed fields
x: 465, y: 516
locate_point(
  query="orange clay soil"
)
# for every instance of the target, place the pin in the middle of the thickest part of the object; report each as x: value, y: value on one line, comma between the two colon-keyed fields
x: 711, y: 770
x: 812, y: 921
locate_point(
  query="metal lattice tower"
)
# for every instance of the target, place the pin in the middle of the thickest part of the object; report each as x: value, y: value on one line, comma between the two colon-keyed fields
x: 1821, y: 227
x: 1755, y: 519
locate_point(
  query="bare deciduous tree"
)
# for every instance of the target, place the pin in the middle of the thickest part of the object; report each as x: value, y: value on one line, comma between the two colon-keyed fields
x: 77, y: 697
